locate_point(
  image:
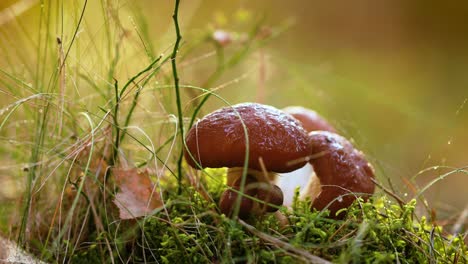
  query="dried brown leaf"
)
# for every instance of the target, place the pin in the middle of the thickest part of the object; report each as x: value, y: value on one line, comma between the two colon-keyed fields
x: 137, y: 196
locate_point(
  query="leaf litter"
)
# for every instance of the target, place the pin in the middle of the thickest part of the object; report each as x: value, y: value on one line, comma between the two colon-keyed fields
x: 137, y: 196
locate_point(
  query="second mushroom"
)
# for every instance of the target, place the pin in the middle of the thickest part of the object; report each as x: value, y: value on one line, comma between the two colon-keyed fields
x: 337, y: 174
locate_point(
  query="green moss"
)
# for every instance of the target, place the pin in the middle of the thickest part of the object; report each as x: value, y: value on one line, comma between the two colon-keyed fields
x: 376, y: 231
x: 91, y: 255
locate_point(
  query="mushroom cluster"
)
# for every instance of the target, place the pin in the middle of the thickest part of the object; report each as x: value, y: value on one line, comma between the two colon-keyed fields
x: 260, y: 141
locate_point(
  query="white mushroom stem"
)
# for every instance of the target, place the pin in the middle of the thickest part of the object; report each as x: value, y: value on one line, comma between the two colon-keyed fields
x: 235, y: 173
x: 304, y: 178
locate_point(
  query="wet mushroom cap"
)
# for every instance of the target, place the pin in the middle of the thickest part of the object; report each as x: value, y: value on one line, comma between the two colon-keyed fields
x: 219, y: 139
x: 310, y: 120
x: 342, y: 170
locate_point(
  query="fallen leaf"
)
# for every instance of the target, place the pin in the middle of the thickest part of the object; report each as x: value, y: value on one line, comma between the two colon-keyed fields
x: 137, y: 196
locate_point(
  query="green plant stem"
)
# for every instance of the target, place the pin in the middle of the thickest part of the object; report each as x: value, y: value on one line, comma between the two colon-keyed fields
x: 137, y: 94
x: 116, y: 125
x: 177, y: 92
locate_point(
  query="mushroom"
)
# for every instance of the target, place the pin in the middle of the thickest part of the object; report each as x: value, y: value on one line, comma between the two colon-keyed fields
x: 337, y: 173
x: 343, y: 171
x: 303, y: 178
x: 269, y: 140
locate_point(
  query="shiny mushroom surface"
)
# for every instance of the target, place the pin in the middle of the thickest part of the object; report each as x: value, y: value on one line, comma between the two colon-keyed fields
x: 273, y: 140
x: 343, y: 171
x: 219, y: 139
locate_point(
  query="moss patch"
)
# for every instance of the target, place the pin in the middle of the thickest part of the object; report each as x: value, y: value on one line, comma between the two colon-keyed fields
x: 190, y: 229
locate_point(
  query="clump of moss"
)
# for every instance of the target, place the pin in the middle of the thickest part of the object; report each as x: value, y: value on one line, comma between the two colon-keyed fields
x: 190, y: 229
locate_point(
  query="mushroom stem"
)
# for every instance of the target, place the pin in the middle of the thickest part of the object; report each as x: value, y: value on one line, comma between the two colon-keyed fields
x: 312, y: 189
x: 305, y: 179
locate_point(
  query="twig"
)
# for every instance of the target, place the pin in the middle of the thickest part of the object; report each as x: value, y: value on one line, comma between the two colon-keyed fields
x: 177, y: 92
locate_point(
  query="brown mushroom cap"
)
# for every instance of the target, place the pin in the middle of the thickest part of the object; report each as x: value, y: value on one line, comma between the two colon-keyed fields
x: 310, y: 120
x: 218, y: 139
x: 341, y: 169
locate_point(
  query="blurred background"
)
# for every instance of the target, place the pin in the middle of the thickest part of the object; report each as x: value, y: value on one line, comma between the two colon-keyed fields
x: 390, y: 75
